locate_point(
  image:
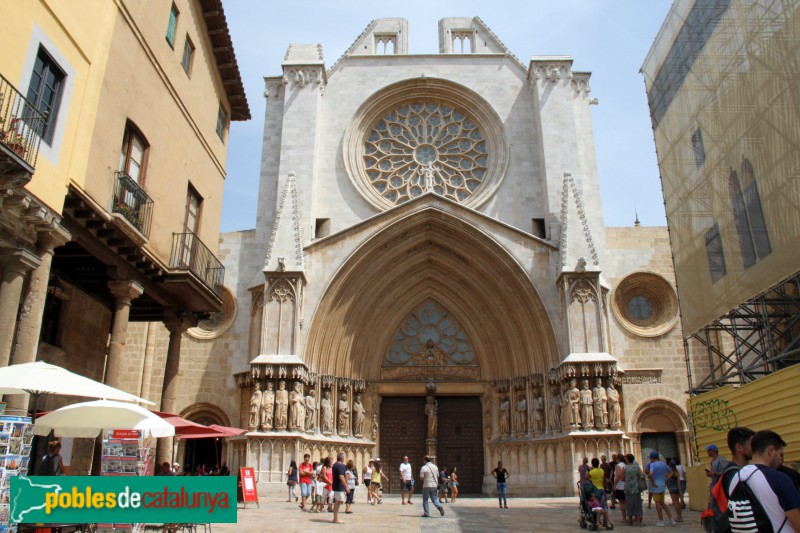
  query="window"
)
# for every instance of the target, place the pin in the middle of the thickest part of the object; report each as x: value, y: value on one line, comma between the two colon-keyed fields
x: 51, y: 331
x: 222, y: 122
x: 188, y: 54
x: 698, y: 148
x: 715, y: 253
x: 322, y: 228
x: 193, y: 203
x: 539, y: 228
x: 132, y: 157
x: 44, y: 92
x: 172, y: 25
x: 748, y: 214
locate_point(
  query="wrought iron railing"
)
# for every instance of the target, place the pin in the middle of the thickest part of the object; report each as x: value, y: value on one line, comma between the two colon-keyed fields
x: 21, y: 124
x: 132, y: 202
x: 189, y: 252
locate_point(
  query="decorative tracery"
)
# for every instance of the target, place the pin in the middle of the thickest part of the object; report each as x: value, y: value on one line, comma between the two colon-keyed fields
x: 425, y: 145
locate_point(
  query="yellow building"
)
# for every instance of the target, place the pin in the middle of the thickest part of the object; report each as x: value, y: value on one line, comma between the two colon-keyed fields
x: 112, y: 164
x: 722, y: 82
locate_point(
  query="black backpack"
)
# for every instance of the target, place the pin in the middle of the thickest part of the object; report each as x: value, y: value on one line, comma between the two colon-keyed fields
x: 745, y: 512
x: 47, y: 468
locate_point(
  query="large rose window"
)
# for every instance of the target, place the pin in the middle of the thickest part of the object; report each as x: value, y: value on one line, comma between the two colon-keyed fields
x: 425, y: 146
x: 425, y: 134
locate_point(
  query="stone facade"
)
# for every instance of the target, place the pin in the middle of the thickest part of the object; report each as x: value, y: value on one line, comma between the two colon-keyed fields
x: 374, y: 271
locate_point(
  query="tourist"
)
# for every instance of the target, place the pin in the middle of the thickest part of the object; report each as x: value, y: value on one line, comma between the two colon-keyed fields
x: 366, y: 475
x: 165, y: 470
x: 318, y: 488
x: 501, y: 475
x: 674, y: 487
x: 443, y: 479
x: 608, y: 473
x: 633, y: 494
x: 718, y: 464
x: 406, y: 481
x: 352, y: 480
x: 583, y: 473
x: 291, y: 480
x: 596, y: 476
x: 658, y: 486
x: 325, y: 484
x: 339, y: 487
x: 306, y: 473
x: 429, y: 474
x: 224, y: 470
x: 597, y: 508
x: 329, y: 483
x: 773, y: 490
x: 453, y: 485
x: 176, y: 469
x: 377, y: 479
x: 681, y: 482
x: 619, y: 486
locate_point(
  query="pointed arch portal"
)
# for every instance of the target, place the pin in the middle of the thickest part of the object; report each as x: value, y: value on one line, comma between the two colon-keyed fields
x: 431, y: 255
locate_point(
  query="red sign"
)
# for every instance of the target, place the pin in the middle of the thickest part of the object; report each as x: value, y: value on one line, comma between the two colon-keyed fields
x: 248, y: 481
x: 126, y: 434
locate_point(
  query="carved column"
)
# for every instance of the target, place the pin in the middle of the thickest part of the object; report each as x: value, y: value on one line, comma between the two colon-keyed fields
x: 169, y: 396
x: 124, y: 292
x: 15, y: 265
x: 30, y: 317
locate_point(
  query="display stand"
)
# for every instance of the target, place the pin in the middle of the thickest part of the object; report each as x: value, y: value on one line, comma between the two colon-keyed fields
x: 246, y: 491
x: 125, y: 453
x: 16, y: 434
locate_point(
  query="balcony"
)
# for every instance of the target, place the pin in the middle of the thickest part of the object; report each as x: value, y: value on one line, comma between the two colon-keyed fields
x: 132, y: 203
x: 189, y: 253
x: 20, y: 125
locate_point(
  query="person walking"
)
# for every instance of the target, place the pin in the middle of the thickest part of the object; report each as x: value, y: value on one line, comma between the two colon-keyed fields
x: 681, y: 482
x: 352, y: 481
x: 366, y: 475
x: 429, y: 474
x: 501, y: 475
x: 339, y: 486
x: 306, y: 473
x: 674, y: 487
x: 291, y: 481
x: 453, y: 485
x: 443, y: 484
x: 658, y: 486
x: 377, y: 479
x: 406, y: 481
x: 633, y: 492
x: 619, y: 486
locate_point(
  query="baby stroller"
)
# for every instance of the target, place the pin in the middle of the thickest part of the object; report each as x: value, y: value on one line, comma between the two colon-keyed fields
x: 588, y: 518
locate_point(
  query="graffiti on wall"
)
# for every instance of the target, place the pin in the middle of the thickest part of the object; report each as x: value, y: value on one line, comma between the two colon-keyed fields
x: 714, y: 414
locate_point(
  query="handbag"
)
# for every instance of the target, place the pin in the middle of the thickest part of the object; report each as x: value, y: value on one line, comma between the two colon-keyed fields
x: 642, y: 483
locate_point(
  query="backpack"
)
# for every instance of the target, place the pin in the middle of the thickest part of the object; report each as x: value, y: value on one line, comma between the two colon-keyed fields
x: 47, y: 468
x: 745, y: 512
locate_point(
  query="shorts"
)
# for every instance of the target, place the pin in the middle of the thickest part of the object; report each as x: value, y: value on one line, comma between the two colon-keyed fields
x: 407, y: 485
x: 375, y: 484
x: 305, y: 490
x: 658, y: 497
x: 350, y: 496
x: 339, y: 496
x: 452, y: 484
x: 682, y: 484
x: 318, y: 498
x: 367, y: 482
x: 619, y: 494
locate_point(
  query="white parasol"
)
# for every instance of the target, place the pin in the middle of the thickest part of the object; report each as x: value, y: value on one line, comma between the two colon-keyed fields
x: 87, y: 419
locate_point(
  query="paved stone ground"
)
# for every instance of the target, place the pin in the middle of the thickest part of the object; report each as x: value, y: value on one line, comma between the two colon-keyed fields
x: 468, y: 514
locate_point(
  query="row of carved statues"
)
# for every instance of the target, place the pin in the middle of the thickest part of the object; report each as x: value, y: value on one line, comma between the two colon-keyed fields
x: 294, y: 411
x: 597, y: 408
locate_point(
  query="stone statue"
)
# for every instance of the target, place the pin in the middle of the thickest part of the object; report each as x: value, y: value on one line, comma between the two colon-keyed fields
x: 587, y: 406
x: 344, y: 415
x: 267, y: 407
x: 538, y: 413
x: 281, y: 406
x: 488, y: 423
x: 432, y: 410
x: 255, y: 406
x: 600, y: 410
x: 297, y: 420
x: 614, y: 418
x: 574, y: 399
x: 311, y: 411
x: 505, y: 416
x: 359, y: 414
x: 555, y: 410
x: 522, y: 414
x: 374, y: 426
x: 327, y: 413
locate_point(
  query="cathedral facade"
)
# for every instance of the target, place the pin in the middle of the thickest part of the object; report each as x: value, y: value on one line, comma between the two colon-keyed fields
x: 430, y: 273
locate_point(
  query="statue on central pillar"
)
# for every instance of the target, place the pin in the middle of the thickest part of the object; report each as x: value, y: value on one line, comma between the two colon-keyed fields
x: 297, y: 419
x: 311, y: 411
x: 344, y: 415
x: 267, y: 407
x: 432, y: 410
x: 327, y: 413
x: 281, y: 407
x: 359, y: 414
x: 600, y: 409
x: 587, y: 406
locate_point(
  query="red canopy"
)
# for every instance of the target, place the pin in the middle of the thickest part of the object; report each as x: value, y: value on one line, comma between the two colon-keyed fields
x: 229, y: 431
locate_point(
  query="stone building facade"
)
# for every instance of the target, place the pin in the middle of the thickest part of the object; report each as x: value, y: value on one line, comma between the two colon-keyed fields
x: 430, y: 273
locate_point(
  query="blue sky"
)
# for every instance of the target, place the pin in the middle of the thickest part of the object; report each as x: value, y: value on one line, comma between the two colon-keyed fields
x: 609, y: 38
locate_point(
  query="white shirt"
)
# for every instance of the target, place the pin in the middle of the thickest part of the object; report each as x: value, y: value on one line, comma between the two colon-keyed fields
x: 770, y: 487
x: 405, y: 471
x: 367, y: 473
x: 430, y: 476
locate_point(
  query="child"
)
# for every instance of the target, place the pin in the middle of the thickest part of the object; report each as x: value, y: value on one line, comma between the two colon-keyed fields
x: 597, y: 508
